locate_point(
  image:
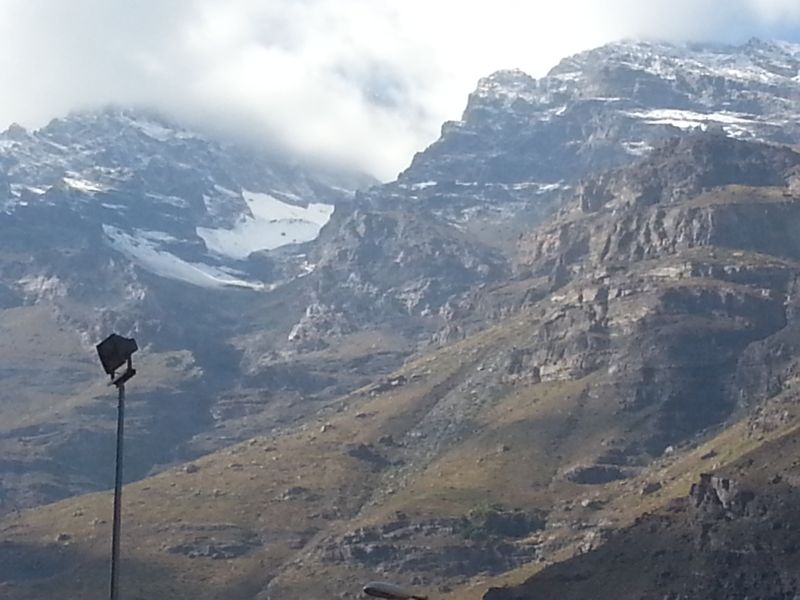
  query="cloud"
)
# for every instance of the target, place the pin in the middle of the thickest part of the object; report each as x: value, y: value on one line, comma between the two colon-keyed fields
x: 367, y: 82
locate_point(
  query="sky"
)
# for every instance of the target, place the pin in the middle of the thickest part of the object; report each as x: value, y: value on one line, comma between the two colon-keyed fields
x: 362, y: 82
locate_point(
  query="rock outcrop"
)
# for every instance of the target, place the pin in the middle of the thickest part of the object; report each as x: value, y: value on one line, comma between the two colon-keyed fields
x: 727, y: 540
x: 713, y: 493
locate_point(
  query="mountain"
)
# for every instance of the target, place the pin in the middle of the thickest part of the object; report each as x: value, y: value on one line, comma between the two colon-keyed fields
x: 123, y: 220
x: 597, y: 109
x: 523, y: 145
x: 534, y: 441
x: 564, y: 312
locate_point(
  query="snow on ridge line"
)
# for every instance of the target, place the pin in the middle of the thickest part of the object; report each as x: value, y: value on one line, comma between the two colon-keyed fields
x: 687, y: 120
x: 689, y: 115
x: 84, y: 185
x: 267, y: 206
x: 274, y: 224
x: 142, y: 250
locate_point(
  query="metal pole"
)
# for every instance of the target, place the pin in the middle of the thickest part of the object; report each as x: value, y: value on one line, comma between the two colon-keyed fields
x: 114, y: 587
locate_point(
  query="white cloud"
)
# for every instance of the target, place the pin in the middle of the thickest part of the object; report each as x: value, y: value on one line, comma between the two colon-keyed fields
x: 777, y: 10
x: 366, y: 81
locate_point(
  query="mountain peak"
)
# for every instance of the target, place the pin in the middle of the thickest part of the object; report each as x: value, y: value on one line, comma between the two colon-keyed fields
x: 757, y: 61
x: 113, y: 120
x: 15, y: 132
x: 506, y: 78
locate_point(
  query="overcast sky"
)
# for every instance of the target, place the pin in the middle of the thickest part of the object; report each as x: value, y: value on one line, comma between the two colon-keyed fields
x: 367, y: 81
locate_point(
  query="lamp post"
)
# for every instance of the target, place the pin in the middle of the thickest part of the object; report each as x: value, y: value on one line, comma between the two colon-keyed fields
x: 391, y: 591
x: 116, y: 351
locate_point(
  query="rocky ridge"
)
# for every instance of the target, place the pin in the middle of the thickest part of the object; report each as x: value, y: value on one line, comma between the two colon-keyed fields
x: 523, y: 145
x: 596, y: 109
x: 728, y: 538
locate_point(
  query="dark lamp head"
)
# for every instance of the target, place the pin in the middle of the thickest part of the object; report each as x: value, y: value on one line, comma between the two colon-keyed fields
x: 115, y: 351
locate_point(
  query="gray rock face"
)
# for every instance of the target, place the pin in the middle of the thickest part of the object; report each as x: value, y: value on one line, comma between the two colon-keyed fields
x: 377, y: 267
x: 667, y: 289
x: 641, y: 212
x: 408, y: 547
x: 597, y: 109
x: 217, y: 542
x: 722, y: 542
x: 716, y: 494
x: 686, y: 166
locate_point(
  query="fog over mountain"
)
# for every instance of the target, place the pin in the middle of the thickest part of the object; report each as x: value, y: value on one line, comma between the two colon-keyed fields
x: 368, y: 83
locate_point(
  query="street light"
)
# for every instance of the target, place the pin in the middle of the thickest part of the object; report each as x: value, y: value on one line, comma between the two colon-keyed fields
x: 116, y: 351
x: 390, y: 591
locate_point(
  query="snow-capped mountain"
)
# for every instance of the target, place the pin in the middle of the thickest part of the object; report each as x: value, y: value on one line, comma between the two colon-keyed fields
x: 121, y: 220
x: 172, y: 201
x: 520, y: 137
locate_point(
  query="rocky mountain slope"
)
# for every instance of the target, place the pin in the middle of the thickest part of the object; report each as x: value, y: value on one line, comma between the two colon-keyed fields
x: 207, y: 252
x: 521, y: 446
x: 734, y: 535
x: 453, y: 380
x: 122, y: 220
x: 523, y: 145
x: 596, y: 109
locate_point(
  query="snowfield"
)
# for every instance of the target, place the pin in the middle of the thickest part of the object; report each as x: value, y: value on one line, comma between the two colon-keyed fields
x: 83, y: 185
x: 142, y: 249
x: 273, y: 224
x: 686, y: 119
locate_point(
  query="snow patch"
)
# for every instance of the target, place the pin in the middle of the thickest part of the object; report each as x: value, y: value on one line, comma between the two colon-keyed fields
x: 176, y: 201
x: 687, y: 119
x: 423, y: 185
x: 273, y: 224
x: 39, y: 191
x: 637, y: 148
x: 40, y: 287
x: 153, y: 130
x: 142, y: 249
x: 552, y: 187
x: 83, y: 185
